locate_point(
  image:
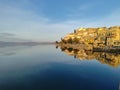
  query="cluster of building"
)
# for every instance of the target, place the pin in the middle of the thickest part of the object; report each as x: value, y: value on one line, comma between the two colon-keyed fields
x: 98, y: 37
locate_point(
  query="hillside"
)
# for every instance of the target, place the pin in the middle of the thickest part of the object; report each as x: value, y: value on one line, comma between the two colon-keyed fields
x: 97, y: 37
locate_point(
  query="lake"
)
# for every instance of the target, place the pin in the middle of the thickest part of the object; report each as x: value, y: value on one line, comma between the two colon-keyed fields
x: 43, y: 67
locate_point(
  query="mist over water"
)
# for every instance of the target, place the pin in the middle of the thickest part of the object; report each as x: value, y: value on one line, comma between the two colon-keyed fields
x: 43, y: 67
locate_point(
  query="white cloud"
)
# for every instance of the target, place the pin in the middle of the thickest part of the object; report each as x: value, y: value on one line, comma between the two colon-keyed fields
x: 86, y: 7
x: 80, y: 10
x: 9, y: 37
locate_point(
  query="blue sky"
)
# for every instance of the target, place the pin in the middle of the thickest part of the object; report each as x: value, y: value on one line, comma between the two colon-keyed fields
x: 49, y: 20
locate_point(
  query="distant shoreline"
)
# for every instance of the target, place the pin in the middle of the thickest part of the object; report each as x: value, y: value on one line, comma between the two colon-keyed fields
x: 10, y: 44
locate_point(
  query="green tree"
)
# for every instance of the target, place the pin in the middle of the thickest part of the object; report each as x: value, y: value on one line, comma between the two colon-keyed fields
x: 74, y: 30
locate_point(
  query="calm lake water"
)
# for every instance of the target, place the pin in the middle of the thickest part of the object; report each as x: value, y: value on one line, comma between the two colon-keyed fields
x: 44, y: 67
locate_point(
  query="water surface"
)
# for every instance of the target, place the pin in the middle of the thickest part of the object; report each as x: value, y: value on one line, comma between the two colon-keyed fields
x: 43, y: 67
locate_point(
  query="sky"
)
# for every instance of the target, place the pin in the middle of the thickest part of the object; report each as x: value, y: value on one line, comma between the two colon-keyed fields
x: 49, y: 20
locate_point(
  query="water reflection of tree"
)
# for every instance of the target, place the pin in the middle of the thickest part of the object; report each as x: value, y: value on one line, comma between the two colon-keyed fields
x: 112, y: 59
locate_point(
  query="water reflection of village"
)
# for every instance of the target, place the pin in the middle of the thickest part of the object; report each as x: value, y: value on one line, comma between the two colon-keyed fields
x: 111, y: 59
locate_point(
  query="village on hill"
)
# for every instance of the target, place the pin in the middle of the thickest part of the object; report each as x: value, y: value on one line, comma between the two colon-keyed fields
x: 97, y: 38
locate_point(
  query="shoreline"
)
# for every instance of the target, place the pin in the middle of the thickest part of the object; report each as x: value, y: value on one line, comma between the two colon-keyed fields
x: 90, y: 47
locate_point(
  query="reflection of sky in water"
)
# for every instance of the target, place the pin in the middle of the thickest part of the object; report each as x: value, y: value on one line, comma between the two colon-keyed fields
x: 44, y: 67
x: 8, y: 51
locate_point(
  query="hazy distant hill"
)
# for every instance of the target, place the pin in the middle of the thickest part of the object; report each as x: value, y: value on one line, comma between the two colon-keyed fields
x: 6, y: 44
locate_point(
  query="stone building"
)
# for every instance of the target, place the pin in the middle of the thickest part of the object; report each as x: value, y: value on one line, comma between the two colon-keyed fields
x: 113, y: 35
